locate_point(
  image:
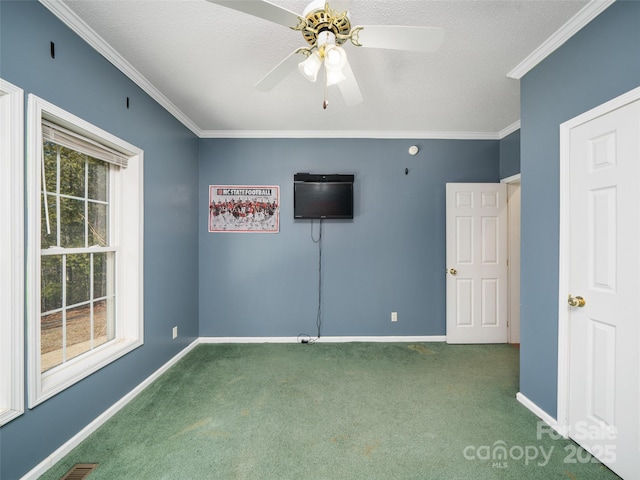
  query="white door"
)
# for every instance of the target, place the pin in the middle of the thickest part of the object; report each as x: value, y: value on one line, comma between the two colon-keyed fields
x: 601, y: 299
x: 476, y: 263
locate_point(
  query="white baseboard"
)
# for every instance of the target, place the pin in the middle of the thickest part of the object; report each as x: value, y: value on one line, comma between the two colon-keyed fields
x: 74, y: 441
x: 248, y: 339
x: 541, y: 414
x: 328, y: 339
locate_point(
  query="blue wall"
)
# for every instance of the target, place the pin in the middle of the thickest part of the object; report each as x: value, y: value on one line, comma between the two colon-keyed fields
x: 390, y: 257
x: 82, y: 82
x: 599, y: 63
x: 510, y: 155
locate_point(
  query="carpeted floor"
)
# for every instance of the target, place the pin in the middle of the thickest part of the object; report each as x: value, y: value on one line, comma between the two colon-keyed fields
x: 333, y: 411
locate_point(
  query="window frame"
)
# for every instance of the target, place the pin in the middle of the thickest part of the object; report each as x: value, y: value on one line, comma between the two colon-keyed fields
x: 127, y: 217
x: 11, y: 255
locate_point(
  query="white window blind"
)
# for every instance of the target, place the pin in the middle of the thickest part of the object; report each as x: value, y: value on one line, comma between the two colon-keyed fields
x: 67, y: 138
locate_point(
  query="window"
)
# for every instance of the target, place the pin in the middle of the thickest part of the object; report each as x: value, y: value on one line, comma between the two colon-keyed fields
x: 11, y: 256
x: 77, y: 255
x: 84, y: 252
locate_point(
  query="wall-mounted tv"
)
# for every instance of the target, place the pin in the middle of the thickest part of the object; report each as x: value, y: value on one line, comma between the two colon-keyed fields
x: 322, y: 196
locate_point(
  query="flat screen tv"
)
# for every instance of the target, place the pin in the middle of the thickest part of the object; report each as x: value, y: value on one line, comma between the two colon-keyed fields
x: 322, y: 196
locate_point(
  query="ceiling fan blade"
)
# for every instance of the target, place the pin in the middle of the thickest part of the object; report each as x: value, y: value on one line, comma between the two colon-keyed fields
x: 400, y: 37
x: 263, y: 9
x: 340, y: 5
x: 279, y: 72
x: 349, y: 87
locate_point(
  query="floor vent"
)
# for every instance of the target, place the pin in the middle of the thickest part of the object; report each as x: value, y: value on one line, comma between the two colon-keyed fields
x: 80, y: 471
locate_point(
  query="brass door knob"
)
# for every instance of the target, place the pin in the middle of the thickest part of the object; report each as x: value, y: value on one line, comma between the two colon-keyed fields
x: 577, y: 301
x: 453, y: 271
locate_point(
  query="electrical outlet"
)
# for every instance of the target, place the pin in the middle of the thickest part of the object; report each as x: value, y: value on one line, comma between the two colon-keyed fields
x: 175, y: 332
x: 394, y: 316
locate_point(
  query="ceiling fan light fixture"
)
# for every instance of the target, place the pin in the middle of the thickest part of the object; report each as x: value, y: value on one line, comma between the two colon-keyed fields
x: 334, y: 77
x: 334, y: 58
x: 310, y: 67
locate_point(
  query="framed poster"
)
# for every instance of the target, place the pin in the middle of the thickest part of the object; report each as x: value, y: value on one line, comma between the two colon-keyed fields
x: 246, y: 209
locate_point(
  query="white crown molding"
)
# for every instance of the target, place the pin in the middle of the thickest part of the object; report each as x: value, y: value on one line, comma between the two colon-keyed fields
x: 75, y: 23
x: 349, y: 134
x: 509, y: 130
x: 568, y: 30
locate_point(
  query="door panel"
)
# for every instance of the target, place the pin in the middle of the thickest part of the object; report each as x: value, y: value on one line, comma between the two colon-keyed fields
x: 603, y: 232
x: 490, y: 243
x: 601, y: 372
x: 464, y: 240
x: 464, y: 302
x: 490, y: 300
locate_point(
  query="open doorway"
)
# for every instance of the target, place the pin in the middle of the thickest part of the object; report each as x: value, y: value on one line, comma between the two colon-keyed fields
x: 513, y: 209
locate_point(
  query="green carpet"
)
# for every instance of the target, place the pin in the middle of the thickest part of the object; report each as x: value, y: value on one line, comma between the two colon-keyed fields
x: 332, y: 411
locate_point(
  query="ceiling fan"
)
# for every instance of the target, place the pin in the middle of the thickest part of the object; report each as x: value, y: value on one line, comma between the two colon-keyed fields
x: 325, y: 28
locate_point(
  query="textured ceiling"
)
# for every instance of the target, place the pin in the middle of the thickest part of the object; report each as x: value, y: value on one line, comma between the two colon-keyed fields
x: 205, y: 59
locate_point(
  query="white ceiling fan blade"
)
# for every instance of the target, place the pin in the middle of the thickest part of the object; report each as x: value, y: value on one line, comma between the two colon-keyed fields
x: 263, y: 9
x: 349, y: 87
x: 334, y: 5
x: 279, y: 72
x: 340, y: 5
x: 400, y: 37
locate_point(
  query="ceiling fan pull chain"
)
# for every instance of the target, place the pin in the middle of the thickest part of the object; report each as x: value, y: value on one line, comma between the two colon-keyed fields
x: 325, y: 103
